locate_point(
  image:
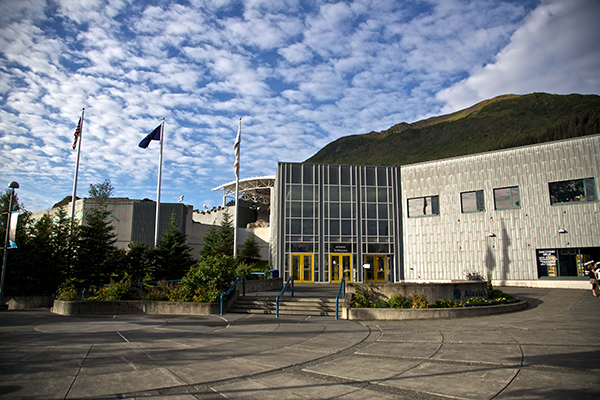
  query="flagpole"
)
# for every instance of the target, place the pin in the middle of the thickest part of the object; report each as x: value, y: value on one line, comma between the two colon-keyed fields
x: 237, y: 186
x: 73, y: 196
x: 162, y: 135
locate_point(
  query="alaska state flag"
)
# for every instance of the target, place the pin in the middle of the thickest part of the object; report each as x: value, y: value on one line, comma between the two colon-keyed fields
x: 154, y: 135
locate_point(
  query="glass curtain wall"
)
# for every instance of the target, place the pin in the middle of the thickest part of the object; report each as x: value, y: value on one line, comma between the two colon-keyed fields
x: 337, y: 221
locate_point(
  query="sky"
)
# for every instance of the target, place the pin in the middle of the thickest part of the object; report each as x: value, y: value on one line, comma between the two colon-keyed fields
x: 300, y: 74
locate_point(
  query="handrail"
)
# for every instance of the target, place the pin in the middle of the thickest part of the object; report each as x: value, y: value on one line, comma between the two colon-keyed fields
x: 337, y: 298
x: 228, y: 292
x: 290, y: 279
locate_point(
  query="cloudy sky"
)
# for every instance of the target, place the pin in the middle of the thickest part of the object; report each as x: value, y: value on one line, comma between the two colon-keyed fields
x: 300, y: 74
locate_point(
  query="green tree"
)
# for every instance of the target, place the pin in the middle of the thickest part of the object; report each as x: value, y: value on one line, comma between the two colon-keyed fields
x: 101, y: 191
x: 171, y: 257
x: 206, y: 281
x: 250, y: 252
x: 97, y: 257
x: 219, y: 241
x: 136, y: 263
x: 43, y: 256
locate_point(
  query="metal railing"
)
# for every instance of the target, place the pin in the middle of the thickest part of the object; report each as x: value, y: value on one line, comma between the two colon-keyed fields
x: 231, y: 289
x: 290, y: 280
x: 342, y: 290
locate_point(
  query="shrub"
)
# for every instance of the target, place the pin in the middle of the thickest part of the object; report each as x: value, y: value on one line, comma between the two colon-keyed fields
x: 361, y: 297
x: 399, y: 301
x: 156, y: 293
x: 213, y: 274
x: 441, y: 303
x: 498, y: 295
x: 206, y: 294
x: 474, y: 276
x: 67, y: 292
x: 419, y: 301
x: 121, y: 290
x: 476, y: 300
x: 244, y: 269
x: 380, y: 303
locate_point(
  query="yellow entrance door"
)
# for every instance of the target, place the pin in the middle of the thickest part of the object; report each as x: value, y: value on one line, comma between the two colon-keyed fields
x: 302, y: 267
x: 340, y: 265
x: 378, y: 268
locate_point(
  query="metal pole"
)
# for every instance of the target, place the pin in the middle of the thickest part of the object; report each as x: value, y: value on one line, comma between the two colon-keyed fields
x: 237, y: 188
x: 162, y: 136
x: 74, y: 195
x: 6, y: 244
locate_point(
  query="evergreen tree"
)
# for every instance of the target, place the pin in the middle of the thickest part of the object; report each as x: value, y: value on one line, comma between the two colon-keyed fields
x: 135, y: 262
x: 171, y: 257
x: 211, y: 240
x: 250, y: 252
x: 219, y: 241
x: 226, y: 236
x: 96, y: 252
x: 43, y: 256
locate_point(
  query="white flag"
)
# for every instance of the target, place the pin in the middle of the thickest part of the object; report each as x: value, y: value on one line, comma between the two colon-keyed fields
x: 12, y: 233
x: 236, y: 148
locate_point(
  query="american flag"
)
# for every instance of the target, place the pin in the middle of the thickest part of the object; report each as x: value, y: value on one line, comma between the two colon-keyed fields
x: 77, y: 134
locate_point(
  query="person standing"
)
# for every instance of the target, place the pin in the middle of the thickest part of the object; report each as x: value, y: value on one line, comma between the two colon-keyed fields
x: 594, y: 273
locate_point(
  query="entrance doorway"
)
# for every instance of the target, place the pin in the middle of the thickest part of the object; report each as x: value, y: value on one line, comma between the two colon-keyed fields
x: 302, y: 267
x: 378, y: 268
x: 340, y: 265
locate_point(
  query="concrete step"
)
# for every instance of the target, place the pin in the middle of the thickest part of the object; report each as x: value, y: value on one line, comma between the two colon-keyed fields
x: 287, y: 306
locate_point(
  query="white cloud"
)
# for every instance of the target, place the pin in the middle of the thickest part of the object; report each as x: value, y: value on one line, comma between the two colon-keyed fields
x: 300, y: 74
x: 556, y: 50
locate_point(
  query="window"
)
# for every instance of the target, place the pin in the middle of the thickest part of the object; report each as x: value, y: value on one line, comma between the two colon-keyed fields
x: 507, y: 198
x: 571, y: 191
x: 472, y: 201
x: 420, y: 206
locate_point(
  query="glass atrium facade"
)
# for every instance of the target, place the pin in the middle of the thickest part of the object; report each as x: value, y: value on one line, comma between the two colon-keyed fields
x: 334, y: 221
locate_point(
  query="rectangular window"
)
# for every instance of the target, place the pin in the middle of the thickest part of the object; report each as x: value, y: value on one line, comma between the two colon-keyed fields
x: 421, y: 206
x: 472, y: 201
x: 572, y: 191
x: 507, y: 198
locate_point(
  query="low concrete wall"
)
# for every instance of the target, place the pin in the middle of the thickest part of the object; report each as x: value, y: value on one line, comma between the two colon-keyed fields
x: 24, y: 302
x: 369, y: 314
x: 455, y: 291
x: 161, y: 307
x: 133, y: 307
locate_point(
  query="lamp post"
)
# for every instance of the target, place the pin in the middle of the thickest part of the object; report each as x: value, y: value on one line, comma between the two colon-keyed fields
x: 11, y: 191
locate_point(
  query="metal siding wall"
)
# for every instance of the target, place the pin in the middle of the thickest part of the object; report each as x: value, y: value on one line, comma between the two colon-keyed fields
x: 144, y: 220
x: 451, y: 244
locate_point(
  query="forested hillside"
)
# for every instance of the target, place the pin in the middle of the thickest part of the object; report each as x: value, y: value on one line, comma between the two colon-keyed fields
x: 498, y: 123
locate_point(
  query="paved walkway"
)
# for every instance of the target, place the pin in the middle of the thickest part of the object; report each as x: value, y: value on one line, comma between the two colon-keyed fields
x: 549, y: 351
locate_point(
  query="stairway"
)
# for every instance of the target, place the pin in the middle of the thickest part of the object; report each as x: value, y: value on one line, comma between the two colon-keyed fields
x: 287, y: 306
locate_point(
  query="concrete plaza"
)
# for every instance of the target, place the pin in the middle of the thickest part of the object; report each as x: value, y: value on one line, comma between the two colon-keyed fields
x: 551, y: 350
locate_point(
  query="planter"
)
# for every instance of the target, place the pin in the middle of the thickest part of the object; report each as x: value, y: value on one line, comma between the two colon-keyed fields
x: 368, y: 314
x: 71, y: 308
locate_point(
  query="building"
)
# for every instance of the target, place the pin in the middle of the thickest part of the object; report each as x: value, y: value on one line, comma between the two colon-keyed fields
x: 527, y: 215
x: 134, y: 220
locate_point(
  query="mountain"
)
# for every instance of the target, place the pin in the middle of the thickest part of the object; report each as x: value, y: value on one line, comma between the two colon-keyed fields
x: 499, y: 123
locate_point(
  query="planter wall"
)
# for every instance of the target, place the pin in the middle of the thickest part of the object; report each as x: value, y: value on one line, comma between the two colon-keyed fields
x: 132, y: 307
x: 24, y: 302
x: 368, y: 314
x: 455, y: 291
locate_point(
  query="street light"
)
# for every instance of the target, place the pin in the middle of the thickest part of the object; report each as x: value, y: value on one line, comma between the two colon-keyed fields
x: 11, y: 190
